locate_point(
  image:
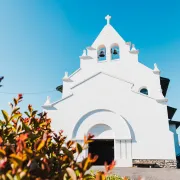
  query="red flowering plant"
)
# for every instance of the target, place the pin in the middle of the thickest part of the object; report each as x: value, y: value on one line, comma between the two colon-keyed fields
x: 29, y: 149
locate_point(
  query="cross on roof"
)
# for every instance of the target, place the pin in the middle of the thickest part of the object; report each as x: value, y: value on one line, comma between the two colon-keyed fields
x: 108, y: 17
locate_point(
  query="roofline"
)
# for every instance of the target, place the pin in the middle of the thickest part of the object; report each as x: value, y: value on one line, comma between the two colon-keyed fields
x: 101, y: 72
x: 177, y: 123
x: 54, y: 103
x: 74, y: 73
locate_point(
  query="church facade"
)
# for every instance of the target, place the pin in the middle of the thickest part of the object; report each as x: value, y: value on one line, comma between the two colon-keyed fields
x: 120, y: 101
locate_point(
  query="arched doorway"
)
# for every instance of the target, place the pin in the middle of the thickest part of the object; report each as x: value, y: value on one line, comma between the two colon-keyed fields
x: 103, y: 144
x: 111, y: 132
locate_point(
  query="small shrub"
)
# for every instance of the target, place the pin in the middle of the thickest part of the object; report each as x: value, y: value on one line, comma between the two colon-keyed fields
x: 29, y: 149
x: 109, y: 176
x: 116, y: 177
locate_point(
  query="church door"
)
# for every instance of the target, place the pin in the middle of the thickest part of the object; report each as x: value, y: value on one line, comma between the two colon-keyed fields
x: 104, y: 148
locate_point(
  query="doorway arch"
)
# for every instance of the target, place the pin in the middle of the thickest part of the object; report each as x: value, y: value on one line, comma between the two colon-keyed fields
x: 107, y: 126
x: 116, y: 122
x: 101, y: 131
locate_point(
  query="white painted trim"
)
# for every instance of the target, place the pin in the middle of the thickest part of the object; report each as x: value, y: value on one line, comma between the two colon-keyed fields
x: 61, y: 99
x: 85, y: 57
x: 47, y: 106
x: 115, y: 78
x: 74, y: 73
x: 115, y: 60
x: 128, y: 43
x: 98, y: 74
x: 124, y: 139
x: 143, y: 95
x: 102, y: 61
x: 165, y: 100
x: 91, y: 48
x: 134, y: 52
x: 157, y: 100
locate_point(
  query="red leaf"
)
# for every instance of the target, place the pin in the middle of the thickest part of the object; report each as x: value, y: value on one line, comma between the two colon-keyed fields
x: 1, y: 140
x: 22, y: 137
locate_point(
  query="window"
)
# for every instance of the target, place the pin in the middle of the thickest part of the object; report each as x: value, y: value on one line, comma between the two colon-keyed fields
x: 114, y: 51
x: 144, y: 91
x: 101, y: 53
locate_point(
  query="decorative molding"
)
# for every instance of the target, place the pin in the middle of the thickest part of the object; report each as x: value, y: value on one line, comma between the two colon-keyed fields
x: 91, y: 48
x: 134, y: 50
x: 79, y: 83
x: 128, y: 43
x: 61, y: 99
x: 85, y: 57
x: 75, y: 72
x: 47, y: 103
x: 164, y: 100
x: 46, y: 106
x: 66, y: 78
x: 156, y: 70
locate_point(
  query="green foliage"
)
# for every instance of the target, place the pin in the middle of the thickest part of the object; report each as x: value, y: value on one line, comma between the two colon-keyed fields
x: 116, y: 177
x: 29, y: 149
x: 108, y: 176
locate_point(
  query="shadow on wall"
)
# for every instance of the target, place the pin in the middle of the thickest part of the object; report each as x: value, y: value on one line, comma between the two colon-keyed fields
x: 100, y: 130
x: 83, y: 118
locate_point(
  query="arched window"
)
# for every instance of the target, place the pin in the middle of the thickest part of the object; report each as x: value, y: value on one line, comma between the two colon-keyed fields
x: 114, y: 51
x: 144, y: 91
x: 101, y: 53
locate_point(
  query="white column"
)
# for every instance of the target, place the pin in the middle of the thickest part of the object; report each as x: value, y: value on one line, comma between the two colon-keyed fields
x: 123, y: 149
x: 117, y: 149
x: 129, y: 147
x: 123, y: 153
x: 108, y: 53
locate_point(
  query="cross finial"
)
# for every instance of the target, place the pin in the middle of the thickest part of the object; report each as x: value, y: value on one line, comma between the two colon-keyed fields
x: 108, y: 17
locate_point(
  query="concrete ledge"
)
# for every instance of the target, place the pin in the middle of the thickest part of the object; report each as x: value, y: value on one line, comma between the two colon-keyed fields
x: 123, y: 162
x: 161, y: 163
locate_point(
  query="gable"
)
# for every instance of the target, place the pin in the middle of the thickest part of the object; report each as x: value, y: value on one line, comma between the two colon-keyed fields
x: 108, y: 35
x: 101, y: 82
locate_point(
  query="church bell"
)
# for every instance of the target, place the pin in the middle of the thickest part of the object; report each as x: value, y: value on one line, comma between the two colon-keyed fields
x: 115, y: 51
x: 102, y: 54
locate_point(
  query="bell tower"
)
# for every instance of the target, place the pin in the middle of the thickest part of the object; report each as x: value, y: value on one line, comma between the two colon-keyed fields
x: 108, y: 46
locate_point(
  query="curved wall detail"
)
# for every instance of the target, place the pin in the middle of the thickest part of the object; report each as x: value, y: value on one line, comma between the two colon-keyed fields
x: 116, y: 122
x: 101, y: 131
x: 106, y: 124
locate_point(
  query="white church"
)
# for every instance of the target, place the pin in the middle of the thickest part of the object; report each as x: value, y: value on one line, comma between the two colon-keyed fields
x: 119, y: 100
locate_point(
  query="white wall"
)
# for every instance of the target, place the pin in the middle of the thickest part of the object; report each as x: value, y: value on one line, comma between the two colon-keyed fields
x: 108, y: 92
x: 146, y: 118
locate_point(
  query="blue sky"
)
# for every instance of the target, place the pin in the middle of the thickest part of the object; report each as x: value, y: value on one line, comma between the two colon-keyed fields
x: 40, y: 40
